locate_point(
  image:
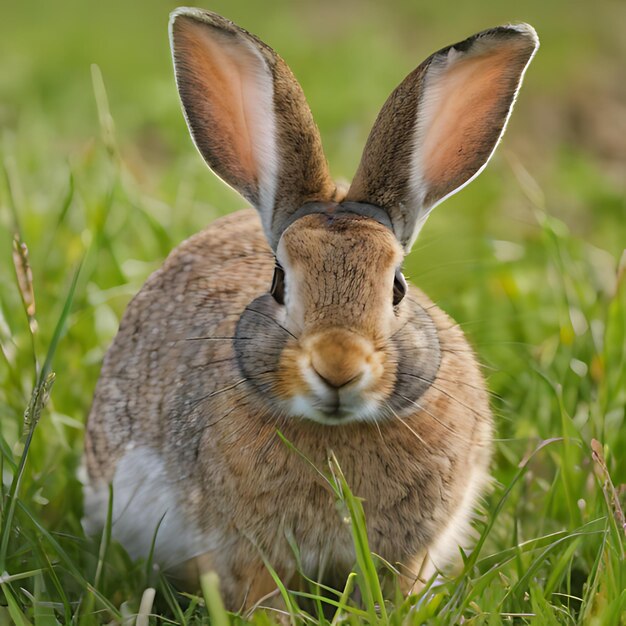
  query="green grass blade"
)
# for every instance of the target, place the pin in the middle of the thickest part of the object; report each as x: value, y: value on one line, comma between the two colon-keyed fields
x: 43, y: 612
x: 14, y: 608
x: 368, y: 579
x: 170, y: 599
x: 210, y: 585
x: 33, y: 413
x: 43, y: 556
x: 68, y: 562
x: 38, y: 400
x: 87, y: 606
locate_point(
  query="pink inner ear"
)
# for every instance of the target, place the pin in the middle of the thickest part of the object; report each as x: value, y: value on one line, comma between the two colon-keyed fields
x: 228, y: 96
x: 463, y: 113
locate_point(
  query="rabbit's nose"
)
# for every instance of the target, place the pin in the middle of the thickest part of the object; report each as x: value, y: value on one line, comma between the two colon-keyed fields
x: 337, y: 379
x: 340, y: 357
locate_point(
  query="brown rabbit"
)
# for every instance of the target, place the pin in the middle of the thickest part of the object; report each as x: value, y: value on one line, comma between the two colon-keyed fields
x: 214, y: 356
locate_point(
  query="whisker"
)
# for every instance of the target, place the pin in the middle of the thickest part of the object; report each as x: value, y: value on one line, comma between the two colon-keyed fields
x: 444, y: 392
x: 212, y: 394
x: 445, y: 380
x: 482, y: 363
x: 269, y: 317
x: 457, y: 350
x: 445, y: 329
x: 218, y: 361
x: 212, y: 338
x: 228, y: 388
x: 198, y: 432
x: 401, y: 328
x: 220, y: 418
x: 405, y: 424
x: 380, y: 432
x: 451, y: 430
x: 196, y: 429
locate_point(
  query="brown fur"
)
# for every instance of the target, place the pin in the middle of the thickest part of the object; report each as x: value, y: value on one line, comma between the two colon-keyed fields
x: 208, y: 367
x: 343, y: 287
x: 410, y: 473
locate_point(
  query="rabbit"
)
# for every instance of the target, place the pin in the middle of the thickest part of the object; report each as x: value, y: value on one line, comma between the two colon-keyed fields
x: 293, y: 318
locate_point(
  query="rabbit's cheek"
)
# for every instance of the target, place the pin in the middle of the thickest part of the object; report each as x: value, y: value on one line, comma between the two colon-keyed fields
x: 289, y: 381
x: 260, y: 341
x: 418, y: 357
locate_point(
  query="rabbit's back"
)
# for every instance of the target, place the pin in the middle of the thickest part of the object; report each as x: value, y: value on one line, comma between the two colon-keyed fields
x: 169, y: 349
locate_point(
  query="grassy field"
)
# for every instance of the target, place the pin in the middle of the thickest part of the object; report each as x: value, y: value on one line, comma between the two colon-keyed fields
x: 99, y: 181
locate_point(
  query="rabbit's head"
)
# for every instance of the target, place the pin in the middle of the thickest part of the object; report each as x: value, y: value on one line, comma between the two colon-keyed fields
x: 338, y: 337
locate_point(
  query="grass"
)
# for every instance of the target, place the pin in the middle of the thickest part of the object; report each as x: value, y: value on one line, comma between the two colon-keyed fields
x: 99, y: 181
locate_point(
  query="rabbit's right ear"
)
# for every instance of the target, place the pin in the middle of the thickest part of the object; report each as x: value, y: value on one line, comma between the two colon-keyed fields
x: 439, y: 128
x: 248, y: 117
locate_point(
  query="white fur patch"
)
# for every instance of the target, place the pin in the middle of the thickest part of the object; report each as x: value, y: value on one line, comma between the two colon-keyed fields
x: 304, y: 406
x: 143, y: 496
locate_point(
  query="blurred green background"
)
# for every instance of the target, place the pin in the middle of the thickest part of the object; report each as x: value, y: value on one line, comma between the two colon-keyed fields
x: 138, y: 186
x: 568, y: 132
x: 98, y: 166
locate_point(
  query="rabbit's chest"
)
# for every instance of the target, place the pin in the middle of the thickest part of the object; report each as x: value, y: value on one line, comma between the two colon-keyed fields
x: 286, y: 504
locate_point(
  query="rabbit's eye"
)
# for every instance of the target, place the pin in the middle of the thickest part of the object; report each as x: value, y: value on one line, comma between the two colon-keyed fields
x: 278, y: 285
x: 399, y: 288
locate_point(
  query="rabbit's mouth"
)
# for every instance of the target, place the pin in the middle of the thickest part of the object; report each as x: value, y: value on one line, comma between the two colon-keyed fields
x: 334, y: 413
x: 338, y: 376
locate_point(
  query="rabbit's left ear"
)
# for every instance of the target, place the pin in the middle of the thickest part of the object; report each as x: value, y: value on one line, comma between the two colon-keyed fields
x: 439, y: 128
x: 248, y: 117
